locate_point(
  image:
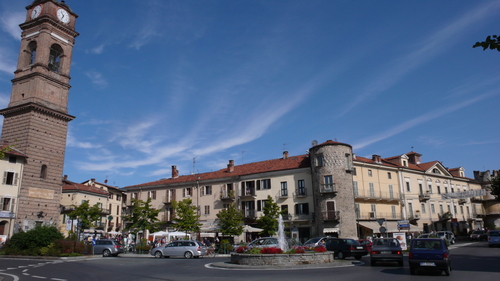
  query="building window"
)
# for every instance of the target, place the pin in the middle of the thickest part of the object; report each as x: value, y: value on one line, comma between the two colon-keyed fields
x: 439, y: 189
x: 301, y: 187
x: 328, y: 181
x: 284, y: 210
x: 430, y: 188
x: 441, y: 209
x: 433, y: 209
x: 389, y: 175
x: 12, y: 159
x: 10, y: 178
x: 302, y: 209
x: 206, y: 190
x: 111, y: 196
x: 435, y: 171
x: 445, y: 189
x: 117, y: 210
x: 408, y: 188
x: 32, y: 52
x: 370, y: 173
x: 7, y: 204
x: 371, y: 186
x: 422, y: 207
x: 118, y: 198
x: 393, y: 212
x: 410, y: 210
x: 373, y: 213
x: 355, y: 188
x: 462, y: 210
x: 207, y: 209
x: 264, y: 184
x: 357, y: 211
x: 152, y: 194
x: 284, y: 189
x: 135, y: 195
x: 353, y: 171
x: 187, y: 192
x: 261, y: 204
x: 391, y: 191
x: 319, y: 160
x: 43, y: 172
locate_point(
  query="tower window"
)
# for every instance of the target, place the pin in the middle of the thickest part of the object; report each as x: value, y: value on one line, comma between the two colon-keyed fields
x: 32, y: 52
x: 10, y: 178
x: 55, y: 58
x: 43, y: 172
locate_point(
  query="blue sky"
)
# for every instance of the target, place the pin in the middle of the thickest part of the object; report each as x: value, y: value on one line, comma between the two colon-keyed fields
x: 159, y: 83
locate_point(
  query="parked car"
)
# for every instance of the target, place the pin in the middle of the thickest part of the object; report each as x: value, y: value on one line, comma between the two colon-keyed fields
x: 186, y: 248
x: 107, y: 247
x: 267, y: 242
x: 313, y: 242
x: 447, y: 235
x: 478, y: 235
x: 493, y: 238
x: 345, y: 247
x: 426, y: 235
x: 386, y: 250
x: 367, y: 243
x: 429, y: 254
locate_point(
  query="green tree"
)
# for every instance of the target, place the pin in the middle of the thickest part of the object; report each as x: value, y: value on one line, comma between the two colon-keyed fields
x: 495, y: 187
x: 230, y: 221
x: 491, y: 42
x: 142, y: 217
x: 269, y: 220
x: 86, y: 213
x: 186, y: 216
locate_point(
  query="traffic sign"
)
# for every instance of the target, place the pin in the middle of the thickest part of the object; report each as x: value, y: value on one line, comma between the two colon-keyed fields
x: 382, y: 229
x: 380, y: 221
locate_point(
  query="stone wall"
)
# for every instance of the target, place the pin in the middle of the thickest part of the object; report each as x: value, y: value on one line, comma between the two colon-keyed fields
x: 282, y: 260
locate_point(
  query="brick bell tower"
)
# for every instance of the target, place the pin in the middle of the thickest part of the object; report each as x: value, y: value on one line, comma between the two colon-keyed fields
x: 36, y: 119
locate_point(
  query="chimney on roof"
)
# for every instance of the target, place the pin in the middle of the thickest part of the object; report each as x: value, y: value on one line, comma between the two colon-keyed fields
x: 175, y: 172
x: 376, y: 158
x: 230, y: 166
x: 92, y: 182
x: 65, y: 177
x: 285, y: 154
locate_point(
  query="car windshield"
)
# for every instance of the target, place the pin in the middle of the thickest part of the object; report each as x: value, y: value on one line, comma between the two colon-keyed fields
x: 427, y: 245
x: 386, y: 242
x: 351, y: 242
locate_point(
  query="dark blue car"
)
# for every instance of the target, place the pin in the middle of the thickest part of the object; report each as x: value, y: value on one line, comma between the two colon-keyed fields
x: 429, y: 254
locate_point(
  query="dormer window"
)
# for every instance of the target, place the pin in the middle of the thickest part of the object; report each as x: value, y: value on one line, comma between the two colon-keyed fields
x: 436, y: 171
x: 405, y: 163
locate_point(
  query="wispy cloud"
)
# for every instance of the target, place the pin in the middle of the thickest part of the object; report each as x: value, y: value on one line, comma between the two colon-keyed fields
x: 10, y: 23
x: 97, y: 50
x: 422, y: 119
x: 71, y: 141
x: 96, y: 78
x: 437, y: 43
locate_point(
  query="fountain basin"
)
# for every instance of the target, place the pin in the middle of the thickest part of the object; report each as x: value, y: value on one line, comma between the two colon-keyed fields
x: 282, y: 259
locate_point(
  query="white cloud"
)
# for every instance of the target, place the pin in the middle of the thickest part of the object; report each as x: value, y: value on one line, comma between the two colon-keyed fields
x: 10, y: 23
x: 96, y: 78
x: 97, y: 50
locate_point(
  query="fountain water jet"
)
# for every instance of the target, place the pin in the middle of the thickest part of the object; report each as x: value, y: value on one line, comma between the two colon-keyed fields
x: 281, y: 235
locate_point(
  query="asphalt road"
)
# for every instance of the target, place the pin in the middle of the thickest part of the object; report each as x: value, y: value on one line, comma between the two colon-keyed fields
x: 471, y: 261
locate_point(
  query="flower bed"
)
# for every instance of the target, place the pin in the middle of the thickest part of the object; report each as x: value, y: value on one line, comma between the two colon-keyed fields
x: 273, y: 256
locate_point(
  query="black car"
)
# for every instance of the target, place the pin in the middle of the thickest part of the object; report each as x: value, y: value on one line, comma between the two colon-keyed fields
x: 386, y: 250
x: 345, y: 247
x: 429, y: 254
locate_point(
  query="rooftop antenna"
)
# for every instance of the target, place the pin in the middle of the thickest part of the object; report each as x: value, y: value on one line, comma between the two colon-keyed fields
x: 284, y: 146
x: 194, y: 165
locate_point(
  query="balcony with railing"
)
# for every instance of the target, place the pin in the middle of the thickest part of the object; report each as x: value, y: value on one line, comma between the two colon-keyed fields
x: 227, y: 195
x: 414, y: 216
x: 327, y: 188
x: 283, y: 193
x: 166, y: 218
x: 376, y: 196
x: 300, y: 192
x: 249, y: 214
x: 299, y: 218
x: 423, y: 197
x: 248, y: 192
x: 378, y: 215
x: 168, y: 199
x: 331, y: 215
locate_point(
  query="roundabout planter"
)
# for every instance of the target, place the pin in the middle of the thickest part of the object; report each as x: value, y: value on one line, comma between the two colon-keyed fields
x: 282, y: 259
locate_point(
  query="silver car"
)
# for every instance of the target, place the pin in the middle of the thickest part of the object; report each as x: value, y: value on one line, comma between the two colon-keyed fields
x: 107, y: 248
x: 184, y: 248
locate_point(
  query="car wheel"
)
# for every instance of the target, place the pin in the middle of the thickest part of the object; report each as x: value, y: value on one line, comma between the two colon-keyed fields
x: 413, y: 270
x: 341, y: 255
x: 358, y: 257
x: 188, y: 255
x: 158, y: 255
x: 106, y: 253
x: 447, y: 271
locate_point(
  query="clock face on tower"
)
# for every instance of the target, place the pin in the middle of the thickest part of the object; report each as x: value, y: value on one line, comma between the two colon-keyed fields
x: 36, y: 12
x: 63, y: 16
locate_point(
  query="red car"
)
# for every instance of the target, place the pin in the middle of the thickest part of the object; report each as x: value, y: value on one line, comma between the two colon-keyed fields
x: 367, y: 243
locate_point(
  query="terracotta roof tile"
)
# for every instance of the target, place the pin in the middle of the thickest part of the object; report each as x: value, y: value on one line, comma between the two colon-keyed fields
x: 292, y: 162
x: 73, y: 186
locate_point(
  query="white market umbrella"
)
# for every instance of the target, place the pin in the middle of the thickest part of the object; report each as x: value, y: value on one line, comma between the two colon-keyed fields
x: 248, y: 228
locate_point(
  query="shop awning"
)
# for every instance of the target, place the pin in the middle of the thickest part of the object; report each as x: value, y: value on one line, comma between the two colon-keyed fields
x: 331, y: 230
